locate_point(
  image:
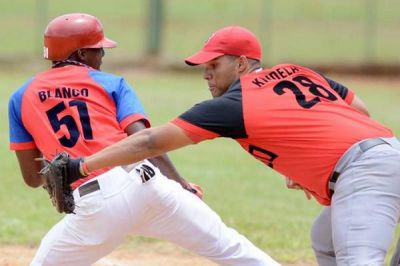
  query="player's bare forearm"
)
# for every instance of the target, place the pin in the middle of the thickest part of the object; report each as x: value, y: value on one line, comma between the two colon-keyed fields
x: 144, y: 144
x: 129, y: 150
x: 30, y: 167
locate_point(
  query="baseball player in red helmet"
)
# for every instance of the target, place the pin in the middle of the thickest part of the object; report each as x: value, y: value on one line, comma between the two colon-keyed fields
x: 77, y: 108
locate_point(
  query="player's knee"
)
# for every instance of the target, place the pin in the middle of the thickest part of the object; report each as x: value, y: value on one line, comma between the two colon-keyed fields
x: 360, y: 255
x: 321, y: 238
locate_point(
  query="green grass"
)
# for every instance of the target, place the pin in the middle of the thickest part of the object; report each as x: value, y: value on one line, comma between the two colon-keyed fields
x: 246, y: 194
x: 301, y: 31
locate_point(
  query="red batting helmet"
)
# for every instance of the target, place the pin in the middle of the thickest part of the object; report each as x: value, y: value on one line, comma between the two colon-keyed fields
x: 67, y: 33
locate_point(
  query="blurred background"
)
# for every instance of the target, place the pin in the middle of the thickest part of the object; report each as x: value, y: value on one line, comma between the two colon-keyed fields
x: 312, y: 32
x: 356, y: 42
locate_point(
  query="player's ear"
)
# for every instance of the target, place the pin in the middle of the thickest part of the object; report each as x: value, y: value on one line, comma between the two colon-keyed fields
x: 81, y: 53
x: 243, y: 64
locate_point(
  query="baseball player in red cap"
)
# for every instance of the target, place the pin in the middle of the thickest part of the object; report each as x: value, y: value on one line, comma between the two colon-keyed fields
x: 309, y: 128
x: 77, y: 108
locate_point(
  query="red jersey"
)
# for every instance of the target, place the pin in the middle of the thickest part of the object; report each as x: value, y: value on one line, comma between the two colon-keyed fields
x: 72, y: 108
x: 290, y: 118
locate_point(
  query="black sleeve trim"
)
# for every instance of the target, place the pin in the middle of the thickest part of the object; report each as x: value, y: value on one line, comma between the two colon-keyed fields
x: 336, y: 86
x: 222, y: 115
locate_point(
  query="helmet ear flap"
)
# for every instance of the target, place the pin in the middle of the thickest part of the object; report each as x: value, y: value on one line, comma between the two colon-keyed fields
x: 67, y: 33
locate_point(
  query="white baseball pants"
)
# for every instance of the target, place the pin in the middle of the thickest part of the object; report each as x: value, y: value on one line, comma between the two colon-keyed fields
x: 358, y: 227
x: 158, y: 208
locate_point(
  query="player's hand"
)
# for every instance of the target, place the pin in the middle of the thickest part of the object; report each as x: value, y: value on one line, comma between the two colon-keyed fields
x: 293, y: 185
x: 196, y: 189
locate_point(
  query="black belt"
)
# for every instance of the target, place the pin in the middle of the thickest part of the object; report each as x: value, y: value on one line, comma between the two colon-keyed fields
x: 146, y: 172
x: 364, y: 146
x: 88, y: 188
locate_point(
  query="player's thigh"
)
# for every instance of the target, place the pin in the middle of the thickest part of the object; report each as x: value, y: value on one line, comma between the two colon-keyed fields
x: 366, y: 206
x: 84, y: 237
x: 186, y: 220
x: 178, y: 215
x: 321, y: 231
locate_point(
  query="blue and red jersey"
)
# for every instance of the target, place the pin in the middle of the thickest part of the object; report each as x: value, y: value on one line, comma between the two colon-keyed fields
x: 289, y: 117
x: 72, y: 108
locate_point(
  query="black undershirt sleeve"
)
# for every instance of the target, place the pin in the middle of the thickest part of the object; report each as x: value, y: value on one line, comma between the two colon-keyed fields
x: 336, y: 86
x: 222, y: 115
x: 339, y: 88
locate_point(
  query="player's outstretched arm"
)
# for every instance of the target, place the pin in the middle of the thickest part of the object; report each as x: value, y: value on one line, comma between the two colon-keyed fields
x: 144, y: 144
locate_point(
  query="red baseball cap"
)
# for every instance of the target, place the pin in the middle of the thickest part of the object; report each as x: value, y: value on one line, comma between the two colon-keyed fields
x: 233, y: 40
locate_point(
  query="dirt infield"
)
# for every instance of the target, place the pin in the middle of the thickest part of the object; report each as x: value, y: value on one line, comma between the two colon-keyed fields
x: 164, y: 254
x: 21, y: 256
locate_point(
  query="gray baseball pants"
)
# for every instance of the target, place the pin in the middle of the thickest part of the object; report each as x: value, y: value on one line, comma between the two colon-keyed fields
x: 358, y: 227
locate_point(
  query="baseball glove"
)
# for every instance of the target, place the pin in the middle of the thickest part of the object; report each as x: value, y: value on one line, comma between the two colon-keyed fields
x: 56, y: 179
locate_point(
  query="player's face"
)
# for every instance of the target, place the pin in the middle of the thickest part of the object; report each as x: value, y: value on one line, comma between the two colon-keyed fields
x: 93, y: 57
x: 220, y: 73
